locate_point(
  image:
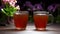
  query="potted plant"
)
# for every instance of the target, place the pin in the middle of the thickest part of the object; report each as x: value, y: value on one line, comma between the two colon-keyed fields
x: 8, y: 10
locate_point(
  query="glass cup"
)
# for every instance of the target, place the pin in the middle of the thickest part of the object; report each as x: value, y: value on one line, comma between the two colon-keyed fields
x: 21, y: 19
x: 40, y: 19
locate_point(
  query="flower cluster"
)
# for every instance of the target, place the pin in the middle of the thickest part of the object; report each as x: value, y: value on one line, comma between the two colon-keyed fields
x: 53, y: 7
x: 11, y: 2
x: 9, y: 7
x: 36, y: 6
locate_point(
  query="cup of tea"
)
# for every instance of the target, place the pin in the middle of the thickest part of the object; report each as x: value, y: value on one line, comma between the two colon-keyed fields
x: 40, y: 19
x: 21, y: 19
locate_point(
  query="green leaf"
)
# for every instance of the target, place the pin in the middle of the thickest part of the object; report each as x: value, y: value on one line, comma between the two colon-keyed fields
x: 9, y: 10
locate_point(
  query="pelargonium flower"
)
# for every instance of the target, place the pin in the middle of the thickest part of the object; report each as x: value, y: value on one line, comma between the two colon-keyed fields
x: 17, y: 7
x: 5, y: 0
x: 11, y: 2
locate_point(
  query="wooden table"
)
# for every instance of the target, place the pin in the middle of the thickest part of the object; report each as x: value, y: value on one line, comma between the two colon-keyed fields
x: 51, y: 29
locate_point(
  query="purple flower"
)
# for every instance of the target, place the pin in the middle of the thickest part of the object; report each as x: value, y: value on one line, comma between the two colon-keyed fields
x: 38, y: 7
x: 28, y: 4
x: 33, y: 7
x: 52, y: 7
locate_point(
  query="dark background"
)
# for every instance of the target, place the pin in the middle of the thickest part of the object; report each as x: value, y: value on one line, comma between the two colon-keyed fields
x: 44, y: 2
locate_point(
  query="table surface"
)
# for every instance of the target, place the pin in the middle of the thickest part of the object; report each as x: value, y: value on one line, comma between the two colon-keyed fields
x: 50, y: 29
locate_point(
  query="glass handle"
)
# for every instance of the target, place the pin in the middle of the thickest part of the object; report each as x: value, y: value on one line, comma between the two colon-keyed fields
x: 51, y: 18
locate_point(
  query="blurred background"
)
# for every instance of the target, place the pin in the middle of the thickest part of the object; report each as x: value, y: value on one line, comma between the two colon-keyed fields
x: 51, y: 6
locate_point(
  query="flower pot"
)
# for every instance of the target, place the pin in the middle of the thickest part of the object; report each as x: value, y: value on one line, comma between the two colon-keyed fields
x: 10, y: 21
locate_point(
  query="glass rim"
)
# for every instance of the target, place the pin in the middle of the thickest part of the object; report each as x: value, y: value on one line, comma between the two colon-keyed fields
x: 21, y: 12
x: 42, y: 12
